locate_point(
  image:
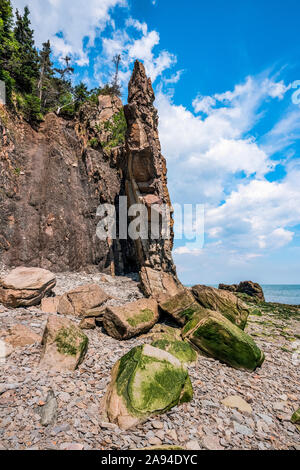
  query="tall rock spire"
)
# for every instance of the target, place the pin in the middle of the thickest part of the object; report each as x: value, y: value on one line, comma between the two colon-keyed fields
x: 146, y: 183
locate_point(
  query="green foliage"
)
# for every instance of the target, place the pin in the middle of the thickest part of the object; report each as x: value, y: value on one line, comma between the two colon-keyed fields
x: 93, y: 142
x: 33, y: 86
x: 117, y: 128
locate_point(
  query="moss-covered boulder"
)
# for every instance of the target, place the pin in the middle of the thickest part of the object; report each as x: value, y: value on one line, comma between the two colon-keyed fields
x: 131, y: 319
x: 180, y: 307
x: 296, y: 417
x: 228, y: 304
x: 180, y: 349
x: 145, y: 382
x: 64, y: 345
x: 219, y: 338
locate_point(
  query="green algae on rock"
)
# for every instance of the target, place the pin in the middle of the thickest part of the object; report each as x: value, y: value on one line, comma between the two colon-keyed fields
x: 227, y: 303
x: 131, y: 319
x: 64, y: 344
x: 296, y: 417
x: 147, y: 381
x: 219, y: 338
x: 180, y: 349
x: 180, y: 307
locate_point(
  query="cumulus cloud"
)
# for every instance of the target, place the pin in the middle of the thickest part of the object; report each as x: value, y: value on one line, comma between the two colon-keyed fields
x: 69, y: 23
x: 135, y: 41
x: 214, y: 159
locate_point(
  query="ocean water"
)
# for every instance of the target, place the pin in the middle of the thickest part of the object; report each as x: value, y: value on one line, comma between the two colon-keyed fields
x: 283, y: 294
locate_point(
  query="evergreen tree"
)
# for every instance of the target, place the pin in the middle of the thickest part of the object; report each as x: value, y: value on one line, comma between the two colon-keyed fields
x: 8, y: 46
x: 46, y: 76
x: 27, y: 73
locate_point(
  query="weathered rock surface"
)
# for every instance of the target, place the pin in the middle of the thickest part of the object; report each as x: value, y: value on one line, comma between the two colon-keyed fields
x: 24, y: 387
x: 25, y: 286
x: 235, y: 401
x: 50, y: 304
x: 49, y: 410
x: 247, y: 287
x: 146, y: 183
x: 88, y: 324
x: 84, y: 301
x: 251, y: 288
x: 229, y: 287
x: 233, y: 308
x: 131, y: 319
x: 20, y: 336
x: 219, y: 338
x: 145, y: 382
x: 180, y: 307
x: 54, y: 178
x: 64, y: 345
x: 182, y: 350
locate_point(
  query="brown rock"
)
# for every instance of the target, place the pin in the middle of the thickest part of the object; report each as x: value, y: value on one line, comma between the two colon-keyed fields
x: 24, y: 287
x: 230, y: 287
x: 21, y: 336
x: 49, y: 208
x: 224, y: 302
x: 180, y: 307
x: 85, y: 301
x: 251, y: 288
x: 131, y: 319
x: 88, y: 324
x: 64, y: 345
x: 50, y: 304
x: 146, y: 183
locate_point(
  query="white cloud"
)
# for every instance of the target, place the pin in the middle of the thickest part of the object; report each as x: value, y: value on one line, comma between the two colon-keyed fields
x: 133, y: 42
x: 72, y: 20
x: 204, y: 104
x: 214, y: 159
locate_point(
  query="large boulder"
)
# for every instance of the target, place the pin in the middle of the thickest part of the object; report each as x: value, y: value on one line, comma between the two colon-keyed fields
x: 145, y: 382
x: 64, y: 345
x: 24, y: 287
x: 229, y: 287
x: 180, y: 307
x: 180, y: 349
x: 131, y: 319
x: 228, y: 304
x: 84, y: 301
x: 219, y: 338
x: 252, y: 289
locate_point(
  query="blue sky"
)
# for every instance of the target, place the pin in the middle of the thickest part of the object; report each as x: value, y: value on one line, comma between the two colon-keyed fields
x: 229, y: 128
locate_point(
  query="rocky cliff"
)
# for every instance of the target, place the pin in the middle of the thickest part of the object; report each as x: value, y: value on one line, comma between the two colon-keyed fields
x: 53, y: 179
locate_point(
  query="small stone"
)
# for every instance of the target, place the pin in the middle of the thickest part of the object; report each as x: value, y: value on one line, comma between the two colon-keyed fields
x: 160, y: 434
x: 235, y: 401
x: 193, y: 445
x: 49, y: 410
x: 211, y: 443
x: 155, y: 441
x: 157, y: 425
x: 279, y: 406
x: 71, y: 446
x: 241, y: 429
x: 88, y: 324
x: 172, y: 434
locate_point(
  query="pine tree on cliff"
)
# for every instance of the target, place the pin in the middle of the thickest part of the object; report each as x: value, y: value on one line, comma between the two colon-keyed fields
x: 8, y: 46
x: 46, y: 75
x: 28, y: 70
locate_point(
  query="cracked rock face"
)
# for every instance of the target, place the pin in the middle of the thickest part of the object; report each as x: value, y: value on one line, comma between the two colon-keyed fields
x: 146, y: 183
x: 53, y: 179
